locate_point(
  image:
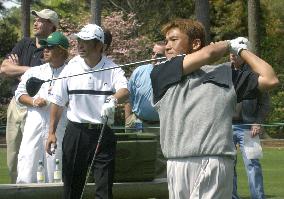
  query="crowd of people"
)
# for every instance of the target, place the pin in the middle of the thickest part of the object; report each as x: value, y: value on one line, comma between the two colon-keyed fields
x: 188, y: 102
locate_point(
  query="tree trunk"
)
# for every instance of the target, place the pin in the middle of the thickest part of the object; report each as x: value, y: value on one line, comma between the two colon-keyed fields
x: 26, y: 17
x: 96, y: 9
x: 253, y: 25
x: 202, y: 15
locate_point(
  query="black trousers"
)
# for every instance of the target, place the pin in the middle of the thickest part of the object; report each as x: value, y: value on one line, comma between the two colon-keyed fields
x: 78, y: 147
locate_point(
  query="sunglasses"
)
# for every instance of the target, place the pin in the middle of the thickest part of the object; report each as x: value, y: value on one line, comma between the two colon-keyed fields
x: 49, y: 47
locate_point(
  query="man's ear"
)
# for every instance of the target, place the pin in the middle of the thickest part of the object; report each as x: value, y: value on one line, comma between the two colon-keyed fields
x: 196, y: 44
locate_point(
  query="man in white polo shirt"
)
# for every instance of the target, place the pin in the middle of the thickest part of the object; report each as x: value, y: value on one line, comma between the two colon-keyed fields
x: 90, y: 97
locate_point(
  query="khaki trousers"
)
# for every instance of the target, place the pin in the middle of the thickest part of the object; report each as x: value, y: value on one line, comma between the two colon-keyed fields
x: 208, y: 177
x: 16, y: 115
x: 161, y: 163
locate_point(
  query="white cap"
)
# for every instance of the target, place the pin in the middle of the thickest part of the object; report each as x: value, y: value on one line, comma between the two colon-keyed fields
x: 47, y: 14
x: 91, y: 31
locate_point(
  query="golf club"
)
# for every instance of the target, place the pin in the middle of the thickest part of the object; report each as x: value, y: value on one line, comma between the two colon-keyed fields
x: 33, y: 84
x: 95, y: 154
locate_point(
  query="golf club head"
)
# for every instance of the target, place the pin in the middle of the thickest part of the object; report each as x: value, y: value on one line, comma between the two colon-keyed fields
x: 33, y: 85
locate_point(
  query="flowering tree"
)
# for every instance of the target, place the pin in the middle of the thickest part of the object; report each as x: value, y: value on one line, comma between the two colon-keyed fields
x: 127, y: 45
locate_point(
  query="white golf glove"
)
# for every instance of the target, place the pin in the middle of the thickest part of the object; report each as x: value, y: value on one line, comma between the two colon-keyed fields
x: 238, y: 44
x: 108, y: 109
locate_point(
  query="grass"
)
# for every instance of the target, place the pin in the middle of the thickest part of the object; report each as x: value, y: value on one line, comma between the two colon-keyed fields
x: 272, y: 167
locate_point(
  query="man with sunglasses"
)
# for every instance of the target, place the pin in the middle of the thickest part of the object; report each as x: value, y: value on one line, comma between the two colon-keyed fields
x: 25, y: 54
x: 36, y: 128
x: 140, y: 108
x: 91, y: 99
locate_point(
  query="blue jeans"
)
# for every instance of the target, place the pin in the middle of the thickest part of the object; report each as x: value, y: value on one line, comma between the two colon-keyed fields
x: 253, y: 167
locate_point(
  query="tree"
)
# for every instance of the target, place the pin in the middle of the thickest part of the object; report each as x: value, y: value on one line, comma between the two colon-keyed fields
x: 253, y: 25
x: 26, y: 17
x: 96, y: 10
x: 202, y: 15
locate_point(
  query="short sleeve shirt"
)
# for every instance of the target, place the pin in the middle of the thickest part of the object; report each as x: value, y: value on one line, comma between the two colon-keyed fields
x: 169, y: 73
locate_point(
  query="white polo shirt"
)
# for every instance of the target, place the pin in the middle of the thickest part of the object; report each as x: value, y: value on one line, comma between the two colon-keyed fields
x: 87, y: 93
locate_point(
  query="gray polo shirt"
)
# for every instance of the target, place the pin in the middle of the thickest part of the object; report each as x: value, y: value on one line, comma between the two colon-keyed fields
x: 196, y: 110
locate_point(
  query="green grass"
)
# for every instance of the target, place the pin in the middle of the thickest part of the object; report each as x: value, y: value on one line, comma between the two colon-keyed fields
x: 273, y: 174
x: 272, y: 167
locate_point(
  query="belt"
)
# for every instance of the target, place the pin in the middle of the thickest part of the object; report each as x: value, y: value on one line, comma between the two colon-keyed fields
x: 150, y: 122
x: 237, y: 121
x: 89, y: 126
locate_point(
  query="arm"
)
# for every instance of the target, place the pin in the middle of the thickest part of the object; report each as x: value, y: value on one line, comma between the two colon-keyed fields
x: 10, y: 67
x: 55, y: 115
x: 267, y: 77
x: 127, y: 110
x: 29, y: 101
x: 121, y: 95
x: 204, y: 56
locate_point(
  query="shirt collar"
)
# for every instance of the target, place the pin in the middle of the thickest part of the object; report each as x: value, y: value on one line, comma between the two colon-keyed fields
x: 100, y: 65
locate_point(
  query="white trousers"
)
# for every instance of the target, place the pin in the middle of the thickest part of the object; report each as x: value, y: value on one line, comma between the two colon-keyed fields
x: 32, y: 147
x: 200, y: 178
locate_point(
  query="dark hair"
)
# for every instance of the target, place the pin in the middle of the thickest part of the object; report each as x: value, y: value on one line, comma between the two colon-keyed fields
x: 108, y: 38
x: 160, y: 43
x: 193, y: 29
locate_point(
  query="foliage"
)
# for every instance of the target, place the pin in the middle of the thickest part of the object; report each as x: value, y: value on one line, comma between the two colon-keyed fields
x: 8, y: 38
x: 153, y: 14
x: 127, y: 45
x: 228, y: 19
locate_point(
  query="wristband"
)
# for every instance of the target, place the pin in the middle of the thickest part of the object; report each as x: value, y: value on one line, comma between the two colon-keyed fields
x: 112, y: 98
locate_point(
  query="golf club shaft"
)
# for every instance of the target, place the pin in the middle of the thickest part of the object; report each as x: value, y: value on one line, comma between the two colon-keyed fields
x: 94, y: 157
x: 104, y: 69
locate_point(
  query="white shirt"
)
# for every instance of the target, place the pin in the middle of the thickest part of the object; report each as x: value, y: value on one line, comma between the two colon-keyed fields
x: 87, y: 93
x: 38, y: 118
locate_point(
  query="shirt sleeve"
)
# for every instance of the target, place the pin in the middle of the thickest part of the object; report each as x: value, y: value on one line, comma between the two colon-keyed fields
x: 119, y: 80
x: 246, y: 84
x: 59, y: 92
x: 21, y: 89
x: 130, y: 87
x: 164, y: 75
x: 263, y: 107
x: 18, y: 48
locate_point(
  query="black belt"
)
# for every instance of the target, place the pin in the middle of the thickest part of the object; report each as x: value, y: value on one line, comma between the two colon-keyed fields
x: 150, y: 122
x: 237, y: 121
x: 88, y: 126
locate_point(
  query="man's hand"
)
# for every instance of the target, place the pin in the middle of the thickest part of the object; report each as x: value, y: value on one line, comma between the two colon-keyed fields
x: 238, y: 44
x: 108, y: 109
x: 39, y: 102
x: 255, y: 130
x: 14, y: 59
x: 51, y: 143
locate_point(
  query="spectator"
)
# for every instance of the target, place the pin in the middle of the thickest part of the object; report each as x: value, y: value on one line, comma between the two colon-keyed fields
x: 26, y: 53
x: 140, y: 106
x: 254, y: 112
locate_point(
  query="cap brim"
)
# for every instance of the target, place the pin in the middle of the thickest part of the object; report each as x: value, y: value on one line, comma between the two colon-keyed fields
x: 78, y: 35
x: 38, y: 14
x: 43, y: 42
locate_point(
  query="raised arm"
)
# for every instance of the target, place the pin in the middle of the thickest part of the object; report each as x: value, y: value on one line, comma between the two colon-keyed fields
x: 204, y: 56
x: 267, y: 77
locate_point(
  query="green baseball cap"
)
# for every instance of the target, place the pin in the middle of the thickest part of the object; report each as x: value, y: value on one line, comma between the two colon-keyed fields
x: 55, y: 39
